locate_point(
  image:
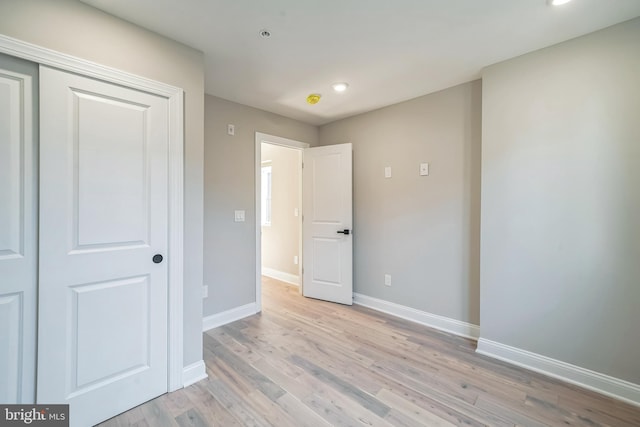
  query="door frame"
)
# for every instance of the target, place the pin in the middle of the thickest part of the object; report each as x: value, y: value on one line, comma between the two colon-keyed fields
x: 175, y: 97
x: 284, y: 142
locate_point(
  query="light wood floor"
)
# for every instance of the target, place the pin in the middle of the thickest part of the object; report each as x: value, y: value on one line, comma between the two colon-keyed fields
x: 310, y: 363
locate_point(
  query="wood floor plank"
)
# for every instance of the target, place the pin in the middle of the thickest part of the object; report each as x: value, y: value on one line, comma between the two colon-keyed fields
x: 599, y: 410
x: 508, y: 412
x: 191, y: 418
x: 448, y: 407
x: 271, y: 411
x: 411, y: 411
x: 304, y: 362
x: 213, y: 412
x: 291, y: 384
x: 156, y: 414
x: 254, y: 377
x: 343, y: 411
x: 367, y: 401
x: 335, y: 416
x: 235, y: 404
x: 231, y: 340
x: 302, y: 413
x: 175, y: 403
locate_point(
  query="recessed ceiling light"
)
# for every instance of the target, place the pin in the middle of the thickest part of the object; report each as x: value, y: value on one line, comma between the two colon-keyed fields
x: 558, y: 2
x: 340, y: 87
x: 265, y: 34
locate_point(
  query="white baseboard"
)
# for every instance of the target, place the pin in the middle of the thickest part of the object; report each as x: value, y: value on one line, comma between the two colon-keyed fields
x: 193, y: 373
x: 600, y: 383
x: 228, y: 316
x: 446, y: 324
x: 281, y: 275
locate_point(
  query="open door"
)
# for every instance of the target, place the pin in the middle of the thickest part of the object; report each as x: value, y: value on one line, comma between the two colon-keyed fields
x: 327, y: 223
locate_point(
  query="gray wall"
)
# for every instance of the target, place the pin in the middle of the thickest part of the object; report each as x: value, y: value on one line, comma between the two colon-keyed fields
x: 281, y: 240
x: 423, y: 230
x: 229, y: 247
x: 77, y: 29
x: 560, y: 271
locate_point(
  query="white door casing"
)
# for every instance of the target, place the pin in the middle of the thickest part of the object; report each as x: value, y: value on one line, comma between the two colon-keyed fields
x: 18, y: 239
x: 103, y: 343
x: 327, y: 218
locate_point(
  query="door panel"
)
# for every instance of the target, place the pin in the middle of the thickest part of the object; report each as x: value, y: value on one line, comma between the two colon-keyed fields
x: 108, y: 315
x: 327, y: 260
x: 110, y: 211
x: 327, y: 209
x: 103, y: 192
x: 11, y: 166
x: 18, y: 239
x: 327, y: 196
x: 11, y: 319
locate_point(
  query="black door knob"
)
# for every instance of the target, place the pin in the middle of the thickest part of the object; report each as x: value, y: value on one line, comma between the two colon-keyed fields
x: 345, y: 232
x: 157, y: 258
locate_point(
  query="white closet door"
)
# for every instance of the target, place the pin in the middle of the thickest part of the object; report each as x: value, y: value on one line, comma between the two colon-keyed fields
x: 103, y: 231
x: 18, y: 239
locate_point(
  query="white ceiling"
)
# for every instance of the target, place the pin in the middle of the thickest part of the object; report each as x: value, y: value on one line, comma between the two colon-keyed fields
x: 387, y: 50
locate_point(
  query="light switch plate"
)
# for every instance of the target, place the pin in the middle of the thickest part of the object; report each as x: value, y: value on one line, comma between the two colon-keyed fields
x: 231, y: 129
x: 424, y: 169
x: 387, y: 172
x: 239, y: 216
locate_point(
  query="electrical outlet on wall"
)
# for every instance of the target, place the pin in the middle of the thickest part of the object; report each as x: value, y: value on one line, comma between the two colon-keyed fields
x: 205, y: 291
x: 295, y: 259
x: 387, y: 280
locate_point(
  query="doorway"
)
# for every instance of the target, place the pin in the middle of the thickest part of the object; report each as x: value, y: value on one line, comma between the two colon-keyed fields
x: 279, y: 201
x: 281, y: 169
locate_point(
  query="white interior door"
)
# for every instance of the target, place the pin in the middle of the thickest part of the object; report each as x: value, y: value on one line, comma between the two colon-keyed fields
x: 327, y: 222
x: 103, y: 219
x: 18, y: 238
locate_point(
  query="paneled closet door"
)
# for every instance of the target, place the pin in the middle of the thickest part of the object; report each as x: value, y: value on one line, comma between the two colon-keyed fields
x: 18, y: 232
x: 103, y: 320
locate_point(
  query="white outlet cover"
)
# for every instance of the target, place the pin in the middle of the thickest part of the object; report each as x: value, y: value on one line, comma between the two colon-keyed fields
x: 424, y: 169
x: 387, y: 280
x: 387, y: 171
x: 239, y: 216
x: 231, y: 129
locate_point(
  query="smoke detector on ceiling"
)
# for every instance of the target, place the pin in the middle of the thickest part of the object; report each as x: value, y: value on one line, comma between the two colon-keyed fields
x: 314, y: 98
